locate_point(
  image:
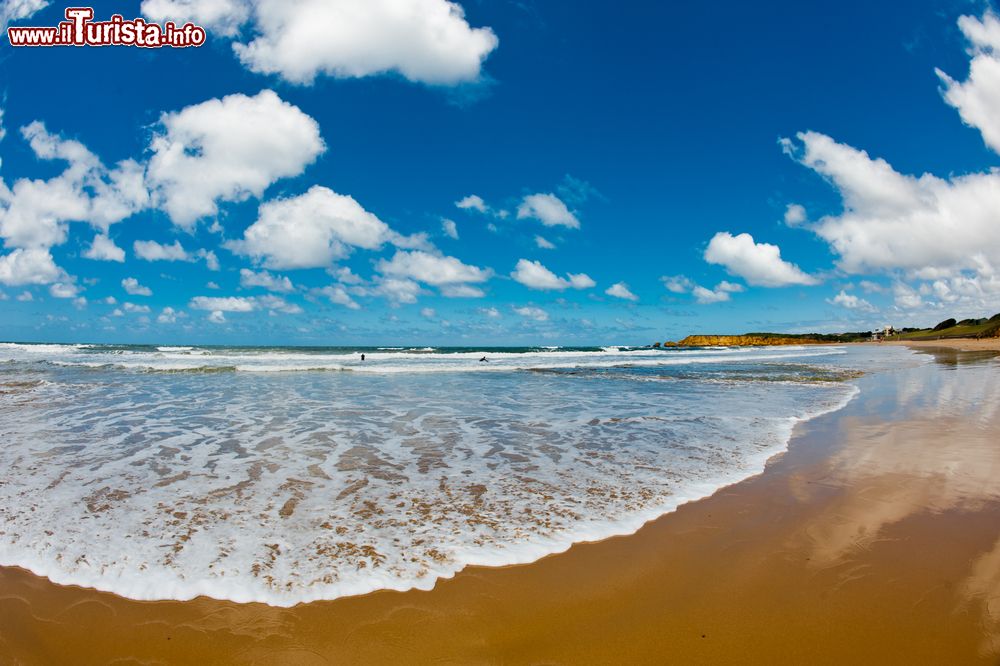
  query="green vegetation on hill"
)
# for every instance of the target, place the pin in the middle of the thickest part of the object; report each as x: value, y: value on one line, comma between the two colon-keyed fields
x: 949, y: 328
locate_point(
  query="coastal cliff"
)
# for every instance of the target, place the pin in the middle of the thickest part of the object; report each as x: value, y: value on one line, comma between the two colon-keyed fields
x: 748, y: 340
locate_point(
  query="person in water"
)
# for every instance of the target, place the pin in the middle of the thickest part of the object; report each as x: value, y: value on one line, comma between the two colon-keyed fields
x: 362, y: 357
x: 484, y: 360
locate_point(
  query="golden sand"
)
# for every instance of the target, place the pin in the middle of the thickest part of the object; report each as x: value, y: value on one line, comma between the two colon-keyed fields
x: 875, y: 539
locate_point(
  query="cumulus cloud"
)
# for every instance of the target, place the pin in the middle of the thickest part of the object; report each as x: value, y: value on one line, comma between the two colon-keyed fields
x: 851, y: 302
x: 544, y: 244
x: 720, y: 294
x: 398, y: 291
x: 35, y: 213
x: 311, y: 230
x: 978, y: 97
x: 621, y: 290
x: 921, y: 227
x: 29, y: 266
x: 449, y: 274
x: 223, y: 17
x: 531, y: 312
x: 102, y: 248
x: 154, y: 251
x: 472, y: 202
x: 760, y: 264
x: 548, y: 209
x: 223, y: 304
x: 534, y: 275
x: 491, y: 313
x: 795, y: 215
x: 64, y: 290
x: 337, y: 294
x: 168, y: 316
x: 269, y: 281
x: 227, y: 149
x: 15, y: 10
x: 677, y: 284
x: 135, y: 309
x: 425, y: 41
x: 449, y: 228
x: 132, y: 286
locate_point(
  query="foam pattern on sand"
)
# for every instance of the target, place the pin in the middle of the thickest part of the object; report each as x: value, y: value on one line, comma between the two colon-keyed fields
x: 290, y: 487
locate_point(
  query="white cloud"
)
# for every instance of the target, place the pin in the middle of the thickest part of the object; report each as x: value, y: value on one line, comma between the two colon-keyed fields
x: 531, y: 312
x: 311, y: 230
x: 269, y: 281
x: 548, y: 209
x: 534, y: 275
x: 437, y: 270
x: 278, y: 304
x: 760, y: 264
x: 677, y: 284
x: 25, y: 297
x: 217, y: 317
x: 153, y: 251
x: 906, y: 297
x: 132, y: 286
x: 132, y: 307
x: 35, y: 213
x: 449, y: 228
x: 14, y: 10
x: 978, y: 97
x: 851, y: 302
x: 168, y: 316
x: 223, y: 17
x: 492, y: 313
x: 720, y: 294
x: 795, y: 215
x: 31, y: 266
x: 621, y: 290
x: 338, y: 295
x: 425, y: 41
x: 64, y: 290
x: 428, y: 313
x: 104, y: 249
x: 398, y: 291
x: 472, y: 202
x: 544, y: 244
x: 923, y: 225
x: 223, y: 304
x: 211, y: 261
x: 461, y: 291
x: 228, y: 149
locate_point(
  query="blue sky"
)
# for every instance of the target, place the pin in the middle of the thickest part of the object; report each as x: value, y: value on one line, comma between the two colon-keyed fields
x: 625, y: 177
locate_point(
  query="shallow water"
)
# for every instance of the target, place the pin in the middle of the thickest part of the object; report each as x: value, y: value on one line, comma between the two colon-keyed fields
x: 252, y: 475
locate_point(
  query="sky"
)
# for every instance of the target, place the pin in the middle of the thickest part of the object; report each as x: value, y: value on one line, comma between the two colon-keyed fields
x: 423, y: 172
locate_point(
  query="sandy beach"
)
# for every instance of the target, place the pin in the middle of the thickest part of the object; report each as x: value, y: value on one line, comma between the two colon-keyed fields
x: 874, y: 539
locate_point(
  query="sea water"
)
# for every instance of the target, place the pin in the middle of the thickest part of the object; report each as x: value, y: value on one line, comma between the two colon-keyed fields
x: 287, y: 475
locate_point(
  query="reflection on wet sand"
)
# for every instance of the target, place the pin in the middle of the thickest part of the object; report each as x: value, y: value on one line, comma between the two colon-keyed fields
x: 932, y: 445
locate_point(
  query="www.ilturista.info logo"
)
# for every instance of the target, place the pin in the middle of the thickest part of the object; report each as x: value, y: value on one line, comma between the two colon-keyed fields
x: 79, y: 29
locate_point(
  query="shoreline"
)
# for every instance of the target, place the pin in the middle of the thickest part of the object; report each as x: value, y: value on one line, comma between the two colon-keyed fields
x: 813, y: 556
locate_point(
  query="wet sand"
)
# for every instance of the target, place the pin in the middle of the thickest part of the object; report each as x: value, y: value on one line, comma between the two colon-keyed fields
x: 874, y: 539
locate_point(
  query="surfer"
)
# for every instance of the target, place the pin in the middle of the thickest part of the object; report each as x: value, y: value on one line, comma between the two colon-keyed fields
x: 362, y: 357
x: 484, y: 360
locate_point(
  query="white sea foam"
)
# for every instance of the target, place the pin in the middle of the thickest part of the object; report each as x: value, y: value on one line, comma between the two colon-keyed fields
x: 286, y: 488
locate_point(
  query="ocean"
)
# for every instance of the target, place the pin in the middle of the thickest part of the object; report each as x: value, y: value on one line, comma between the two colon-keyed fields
x: 288, y: 475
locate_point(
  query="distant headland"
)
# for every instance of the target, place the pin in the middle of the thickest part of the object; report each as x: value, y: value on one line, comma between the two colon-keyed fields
x: 946, y: 330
